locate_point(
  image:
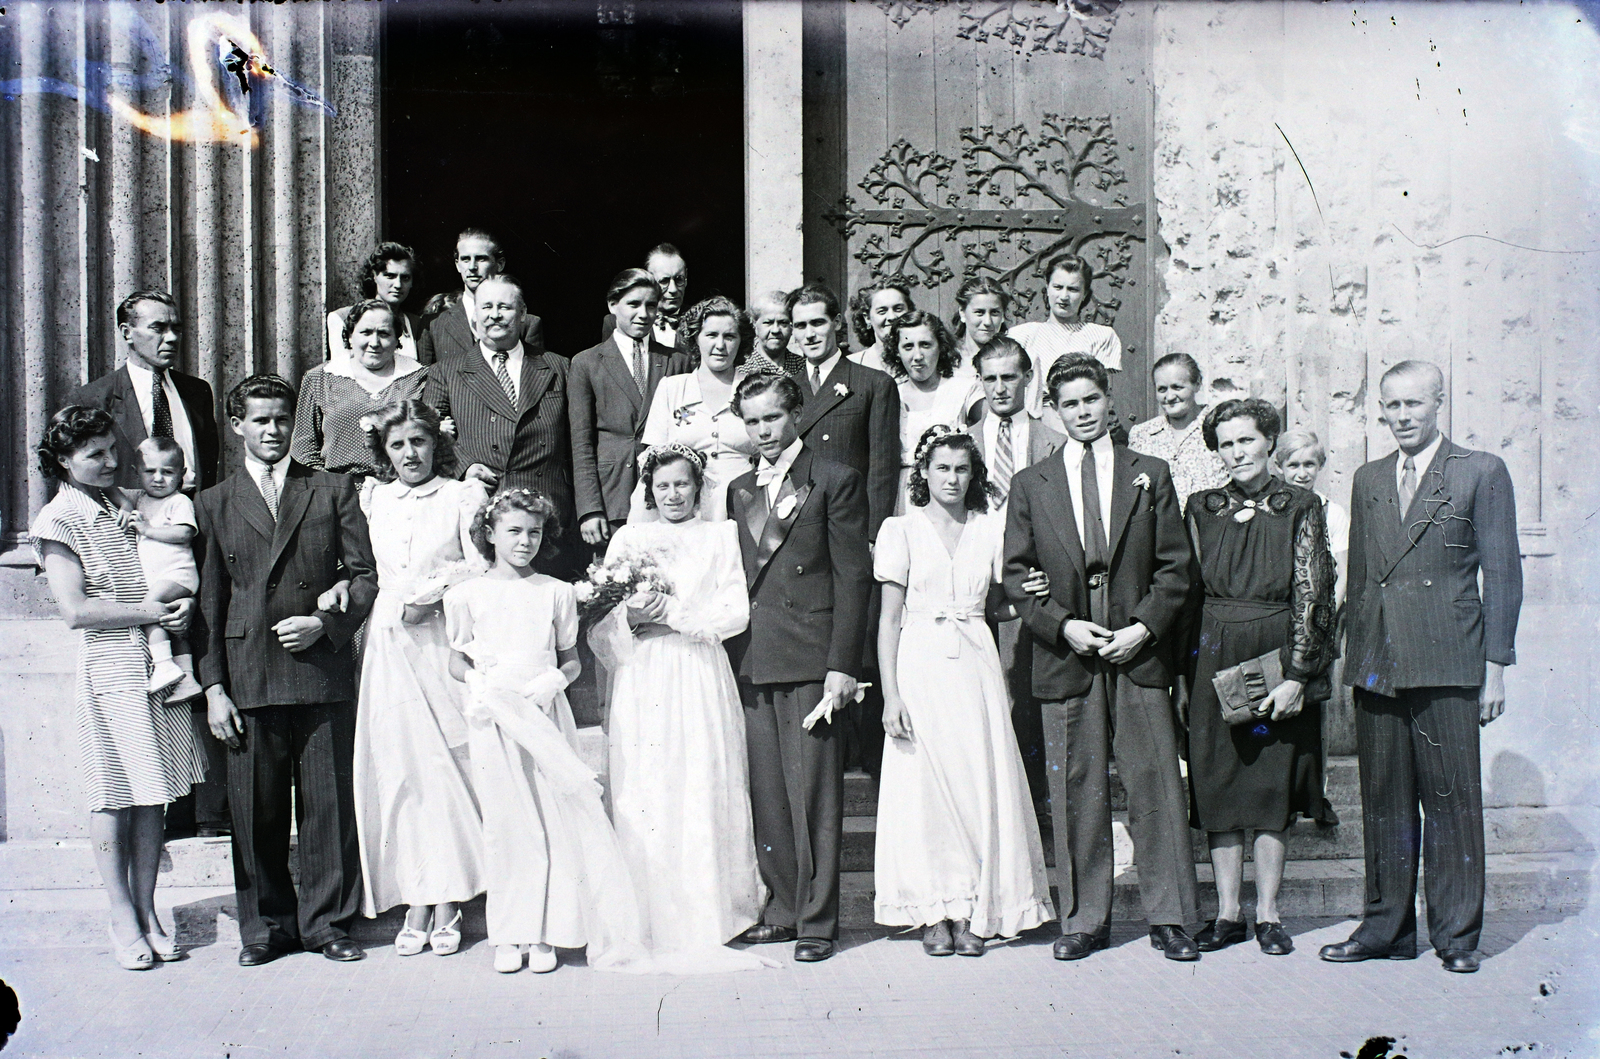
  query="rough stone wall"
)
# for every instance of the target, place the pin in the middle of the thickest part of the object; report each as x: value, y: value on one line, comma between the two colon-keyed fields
x: 1325, y: 175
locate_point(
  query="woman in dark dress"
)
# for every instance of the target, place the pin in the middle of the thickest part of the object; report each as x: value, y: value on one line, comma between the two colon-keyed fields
x: 1262, y: 549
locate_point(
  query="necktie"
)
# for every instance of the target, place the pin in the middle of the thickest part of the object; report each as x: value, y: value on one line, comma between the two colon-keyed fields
x: 640, y: 379
x: 269, y: 492
x: 1094, y: 530
x: 816, y: 379
x: 1408, y: 486
x: 504, y: 376
x: 1004, y: 463
x: 160, y: 410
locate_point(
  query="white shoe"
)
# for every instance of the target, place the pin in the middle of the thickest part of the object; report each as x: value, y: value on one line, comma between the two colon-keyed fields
x: 508, y: 958
x: 446, y: 939
x: 165, y: 674
x: 410, y: 941
x: 186, y: 688
x: 541, y: 959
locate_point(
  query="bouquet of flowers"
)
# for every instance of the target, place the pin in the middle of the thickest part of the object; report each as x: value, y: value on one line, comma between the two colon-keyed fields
x: 615, y: 580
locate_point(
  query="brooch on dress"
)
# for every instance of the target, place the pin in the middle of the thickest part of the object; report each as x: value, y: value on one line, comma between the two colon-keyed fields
x: 683, y: 414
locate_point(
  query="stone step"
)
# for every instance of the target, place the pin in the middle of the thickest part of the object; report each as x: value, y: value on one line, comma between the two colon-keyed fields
x: 205, y: 915
x: 1342, y: 787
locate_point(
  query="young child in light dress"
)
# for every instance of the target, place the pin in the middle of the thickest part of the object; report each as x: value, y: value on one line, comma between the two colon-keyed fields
x: 554, y: 871
x: 164, y: 520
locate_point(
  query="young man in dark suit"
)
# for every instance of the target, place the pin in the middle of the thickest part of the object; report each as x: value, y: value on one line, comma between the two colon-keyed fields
x: 803, y: 534
x: 1103, y: 523
x: 1010, y: 438
x: 509, y: 403
x: 148, y: 396
x: 667, y: 267
x: 447, y: 331
x: 1426, y: 660
x: 612, y: 387
x: 280, y: 677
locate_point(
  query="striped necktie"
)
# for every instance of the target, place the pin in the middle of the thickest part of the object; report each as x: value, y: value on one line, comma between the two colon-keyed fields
x: 1408, y: 486
x: 504, y: 376
x: 640, y: 379
x: 1004, y: 461
x: 269, y: 491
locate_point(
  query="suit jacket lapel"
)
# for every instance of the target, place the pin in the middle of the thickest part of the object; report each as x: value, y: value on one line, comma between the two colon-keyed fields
x: 798, y: 485
x: 455, y: 321
x: 247, y: 495
x: 126, y: 409
x: 537, y: 377
x: 622, y: 372
x: 476, y: 372
x: 1433, y: 495
x: 291, y: 508
x: 825, y: 398
x: 1058, y: 501
x: 743, y: 498
x: 1124, y: 469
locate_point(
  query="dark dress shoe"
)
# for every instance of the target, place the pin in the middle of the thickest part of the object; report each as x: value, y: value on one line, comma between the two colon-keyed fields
x: 1174, y: 943
x: 813, y: 950
x: 936, y: 939
x: 256, y: 955
x: 1219, y: 934
x: 1273, y: 939
x: 766, y: 933
x: 967, y: 943
x: 344, y: 950
x: 1077, y: 946
x: 1461, y: 961
x: 1353, y: 951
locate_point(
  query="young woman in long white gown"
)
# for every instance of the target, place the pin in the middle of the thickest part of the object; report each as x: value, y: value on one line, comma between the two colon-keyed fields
x: 417, y: 820
x: 679, y: 774
x: 958, y: 849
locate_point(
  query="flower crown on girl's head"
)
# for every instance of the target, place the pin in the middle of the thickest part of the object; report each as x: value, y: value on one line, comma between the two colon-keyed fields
x: 532, y: 501
x: 656, y: 455
x: 937, y: 434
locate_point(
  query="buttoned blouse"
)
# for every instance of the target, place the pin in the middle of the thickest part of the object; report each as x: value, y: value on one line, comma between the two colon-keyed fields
x: 417, y: 531
x: 1194, y: 467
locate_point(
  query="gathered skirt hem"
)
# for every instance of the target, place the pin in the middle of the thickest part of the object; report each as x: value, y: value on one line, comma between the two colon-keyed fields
x: 1008, y: 923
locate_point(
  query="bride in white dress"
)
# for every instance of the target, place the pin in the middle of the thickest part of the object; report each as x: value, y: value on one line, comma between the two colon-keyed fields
x: 679, y: 773
x: 958, y: 849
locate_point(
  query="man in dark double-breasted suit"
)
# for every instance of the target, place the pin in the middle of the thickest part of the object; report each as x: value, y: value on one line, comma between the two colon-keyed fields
x: 509, y: 404
x: 1426, y: 657
x: 803, y: 535
x: 280, y: 677
x: 446, y: 331
x: 613, y: 384
x: 1102, y: 521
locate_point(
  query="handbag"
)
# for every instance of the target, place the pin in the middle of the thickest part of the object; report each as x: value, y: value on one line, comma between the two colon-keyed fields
x: 1242, y: 687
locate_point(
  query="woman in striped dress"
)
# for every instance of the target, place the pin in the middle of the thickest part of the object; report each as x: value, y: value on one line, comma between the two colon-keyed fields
x: 137, y: 754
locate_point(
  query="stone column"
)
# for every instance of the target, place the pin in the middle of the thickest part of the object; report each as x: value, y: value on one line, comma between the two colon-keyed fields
x: 774, y: 146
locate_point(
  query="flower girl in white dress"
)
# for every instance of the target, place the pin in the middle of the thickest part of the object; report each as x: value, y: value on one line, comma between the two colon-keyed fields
x: 679, y: 770
x: 553, y: 871
x: 958, y: 849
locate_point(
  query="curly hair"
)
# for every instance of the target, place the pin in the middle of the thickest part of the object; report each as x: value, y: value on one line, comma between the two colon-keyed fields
x: 533, y: 502
x: 973, y: 288
x: 362, y: 308
x: 381, y: 255
x: 946, y: 365
x: 861, y: 305
x: 939, y: 436
x: 694, y: 321
x: 398, y: 413
x: 68, y: 431
x: 264, y: 386
x: 1261, y: 413
x: 660, y: 456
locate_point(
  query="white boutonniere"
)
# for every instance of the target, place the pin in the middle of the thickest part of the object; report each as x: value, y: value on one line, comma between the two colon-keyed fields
x: 841, y: 389
x: 785, y: 507
x: 1142, y: 482
x: 368, y: 423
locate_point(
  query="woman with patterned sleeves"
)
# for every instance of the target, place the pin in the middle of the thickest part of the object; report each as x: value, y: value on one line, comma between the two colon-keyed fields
x: 1262, y: 549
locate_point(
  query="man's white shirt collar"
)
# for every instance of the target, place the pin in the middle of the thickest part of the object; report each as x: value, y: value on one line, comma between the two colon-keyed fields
x: 779, y: 469
x: 513, y: 363
x: 280, y: 473
x: 1424, y: 460
x: 825, y: 368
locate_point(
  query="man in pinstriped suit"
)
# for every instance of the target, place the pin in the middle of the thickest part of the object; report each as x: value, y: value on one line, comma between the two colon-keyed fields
x: 1426, y: 659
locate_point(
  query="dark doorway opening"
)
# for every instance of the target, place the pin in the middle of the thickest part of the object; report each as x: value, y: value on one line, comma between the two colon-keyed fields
x: 581, y: 132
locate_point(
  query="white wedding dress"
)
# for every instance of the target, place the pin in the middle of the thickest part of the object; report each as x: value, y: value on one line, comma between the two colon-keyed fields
x: 679, y: 771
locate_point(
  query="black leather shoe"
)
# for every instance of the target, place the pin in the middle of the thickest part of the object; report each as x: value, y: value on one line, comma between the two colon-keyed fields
x: 344, y: 950
x: 1219, y: 934
x: 766, y: 933
x: 1461, y: 961
x: 936, y: 939
x: 1353, y: 951
x: 1174, y: 943
x: 1077, y: 946
x: 1273, y: 939
x: 813, y: 950
x: 967, y: 943
x: 256, y: 955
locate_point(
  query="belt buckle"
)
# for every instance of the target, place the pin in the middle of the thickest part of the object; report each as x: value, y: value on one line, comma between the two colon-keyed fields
x: 1098, y: 580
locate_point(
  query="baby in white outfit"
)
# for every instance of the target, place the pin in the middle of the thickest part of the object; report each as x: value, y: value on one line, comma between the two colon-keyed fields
x: 164, y: 519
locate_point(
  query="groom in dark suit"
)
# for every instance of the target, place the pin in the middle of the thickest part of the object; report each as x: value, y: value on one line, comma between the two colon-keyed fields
x: 1103, y: 522
x: 803, y: 534
x: 1426, y: 659
x: 280, y: 678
